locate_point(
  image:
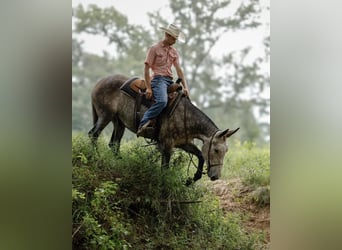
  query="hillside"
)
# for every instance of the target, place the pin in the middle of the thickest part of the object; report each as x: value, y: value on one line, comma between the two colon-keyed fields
x: 128, y: 202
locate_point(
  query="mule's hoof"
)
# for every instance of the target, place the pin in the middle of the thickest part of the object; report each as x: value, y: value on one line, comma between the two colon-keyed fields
x: 197, y: 176
x: 214, y: 178
x: 188, y: 182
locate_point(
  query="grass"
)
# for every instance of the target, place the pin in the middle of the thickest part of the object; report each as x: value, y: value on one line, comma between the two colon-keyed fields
x: 248, y: 162
x: 129, y: 202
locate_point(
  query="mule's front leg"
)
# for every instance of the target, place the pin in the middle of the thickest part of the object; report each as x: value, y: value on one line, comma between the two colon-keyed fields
x: 192, y: 149
x: 166, y: 156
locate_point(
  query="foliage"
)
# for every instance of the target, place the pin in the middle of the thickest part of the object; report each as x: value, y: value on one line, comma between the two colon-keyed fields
x: 130, y: 202
x: 204, y: 26
x: 252, y: 165
x: 249, y: 162
x: 232, y: 83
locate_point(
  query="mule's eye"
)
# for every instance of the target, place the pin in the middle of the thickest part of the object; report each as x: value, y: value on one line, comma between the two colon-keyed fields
x: 216, y: 150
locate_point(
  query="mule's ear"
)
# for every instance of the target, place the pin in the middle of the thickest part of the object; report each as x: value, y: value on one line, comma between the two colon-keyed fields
x: 223, y: 133
x: 227, y: 133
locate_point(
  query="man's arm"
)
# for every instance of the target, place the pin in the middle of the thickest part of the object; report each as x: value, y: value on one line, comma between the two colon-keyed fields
x: 181, y: 75
x: 148, y: 81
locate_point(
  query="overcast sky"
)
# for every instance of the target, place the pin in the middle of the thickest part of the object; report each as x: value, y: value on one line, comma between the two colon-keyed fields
x: 136, y: 11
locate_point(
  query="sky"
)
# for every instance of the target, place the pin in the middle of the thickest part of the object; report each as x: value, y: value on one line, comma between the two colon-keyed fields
x: 136, y: 12
x: 135, y: 9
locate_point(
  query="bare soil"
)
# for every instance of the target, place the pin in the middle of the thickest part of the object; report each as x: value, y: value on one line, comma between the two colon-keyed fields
x: 237, y: 198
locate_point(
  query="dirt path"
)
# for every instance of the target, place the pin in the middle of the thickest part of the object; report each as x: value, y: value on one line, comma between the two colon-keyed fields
x: 234, y: 197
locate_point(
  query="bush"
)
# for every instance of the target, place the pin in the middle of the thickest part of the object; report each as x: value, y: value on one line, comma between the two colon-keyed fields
x: 130, y: 202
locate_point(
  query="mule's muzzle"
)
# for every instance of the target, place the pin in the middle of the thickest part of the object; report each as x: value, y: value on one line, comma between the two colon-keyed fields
x: 214, y: 178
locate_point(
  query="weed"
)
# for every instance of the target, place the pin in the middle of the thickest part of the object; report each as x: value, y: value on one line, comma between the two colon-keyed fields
x: 130, y: 202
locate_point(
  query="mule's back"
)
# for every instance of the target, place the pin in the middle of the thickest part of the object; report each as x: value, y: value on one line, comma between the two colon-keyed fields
x: 111, y: 102
x: 105, y: 94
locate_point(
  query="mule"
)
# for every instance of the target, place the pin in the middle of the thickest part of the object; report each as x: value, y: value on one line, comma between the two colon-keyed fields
x: 187, y: 122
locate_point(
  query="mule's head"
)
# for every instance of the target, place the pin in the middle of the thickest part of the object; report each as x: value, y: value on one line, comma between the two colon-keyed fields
x: 214, y: 150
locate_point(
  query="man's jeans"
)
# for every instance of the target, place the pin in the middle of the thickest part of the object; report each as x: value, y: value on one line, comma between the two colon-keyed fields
x: 159, y: 86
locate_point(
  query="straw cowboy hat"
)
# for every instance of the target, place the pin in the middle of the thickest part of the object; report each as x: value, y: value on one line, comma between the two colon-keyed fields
x: 174, y: 31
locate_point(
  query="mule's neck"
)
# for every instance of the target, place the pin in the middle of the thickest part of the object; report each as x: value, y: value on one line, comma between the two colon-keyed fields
x: 198, y: 124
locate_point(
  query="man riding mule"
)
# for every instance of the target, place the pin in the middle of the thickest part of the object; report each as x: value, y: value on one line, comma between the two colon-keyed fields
x: 176, y: 130
x: 177, y: 126
x: 160, y: 58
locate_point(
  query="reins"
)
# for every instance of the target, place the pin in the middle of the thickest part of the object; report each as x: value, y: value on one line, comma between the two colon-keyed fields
x: 185, y: 127
x: 193, y: 163
x: 210, y: 144
x: 152, y: 142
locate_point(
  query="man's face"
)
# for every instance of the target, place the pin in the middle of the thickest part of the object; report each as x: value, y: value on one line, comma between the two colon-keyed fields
x: 170, y: 39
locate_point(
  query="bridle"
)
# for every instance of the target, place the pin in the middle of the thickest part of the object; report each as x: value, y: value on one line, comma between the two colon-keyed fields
x: 210, y: 143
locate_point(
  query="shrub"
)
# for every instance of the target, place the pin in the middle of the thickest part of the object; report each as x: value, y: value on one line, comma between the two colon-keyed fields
x: 130, y: 202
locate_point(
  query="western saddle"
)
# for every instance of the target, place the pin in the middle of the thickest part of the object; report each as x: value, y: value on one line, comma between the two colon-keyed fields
x: 135, y: 87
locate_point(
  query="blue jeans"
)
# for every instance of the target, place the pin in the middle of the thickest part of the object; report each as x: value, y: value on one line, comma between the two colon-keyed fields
x: 159, y: 86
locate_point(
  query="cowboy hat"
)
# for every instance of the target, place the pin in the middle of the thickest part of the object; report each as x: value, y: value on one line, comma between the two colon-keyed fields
x: 174, y: 31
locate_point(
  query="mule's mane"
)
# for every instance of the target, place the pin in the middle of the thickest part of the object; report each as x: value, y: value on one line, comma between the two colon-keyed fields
x: 199, y: 120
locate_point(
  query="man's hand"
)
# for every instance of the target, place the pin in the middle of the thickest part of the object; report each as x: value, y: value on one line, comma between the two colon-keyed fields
x: 186, y: 92
x: 148, y: 93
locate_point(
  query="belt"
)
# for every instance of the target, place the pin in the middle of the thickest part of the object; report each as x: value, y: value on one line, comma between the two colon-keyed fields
x: 163, y: 76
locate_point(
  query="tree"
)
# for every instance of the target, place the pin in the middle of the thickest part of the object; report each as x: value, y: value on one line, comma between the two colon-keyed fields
x: 240, y: 84
x: 205, y: 25
x: 231, y: 84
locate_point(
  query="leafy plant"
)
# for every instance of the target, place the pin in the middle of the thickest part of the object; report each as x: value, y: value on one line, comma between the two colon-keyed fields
x: 130, y: 202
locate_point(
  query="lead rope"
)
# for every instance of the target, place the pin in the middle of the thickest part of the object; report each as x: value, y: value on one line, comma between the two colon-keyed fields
x: 186, y: 138
x: 191, y: 161
x: 185, y: 127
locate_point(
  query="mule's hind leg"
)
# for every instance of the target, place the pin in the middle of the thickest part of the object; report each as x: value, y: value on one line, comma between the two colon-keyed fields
x: 95, y: 132
x: 118, y: 131
x: 166, y: 156
x: 166, y: 153
x: 192, y: 149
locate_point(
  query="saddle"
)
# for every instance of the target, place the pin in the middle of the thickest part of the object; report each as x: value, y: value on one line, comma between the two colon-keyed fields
x: 135, y: 87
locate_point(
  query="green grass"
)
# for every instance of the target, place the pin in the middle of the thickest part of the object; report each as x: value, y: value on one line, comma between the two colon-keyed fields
x: 248, y: 162
x: 251, y: 164
x: 129, y: 202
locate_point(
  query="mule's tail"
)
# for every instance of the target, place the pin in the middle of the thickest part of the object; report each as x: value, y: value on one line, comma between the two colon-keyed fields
x: 95, y: 116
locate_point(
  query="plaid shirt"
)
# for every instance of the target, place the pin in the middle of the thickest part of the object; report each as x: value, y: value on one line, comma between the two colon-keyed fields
x: 160, y: 58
